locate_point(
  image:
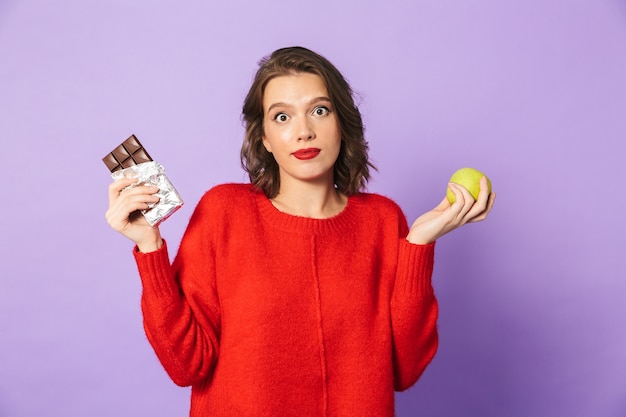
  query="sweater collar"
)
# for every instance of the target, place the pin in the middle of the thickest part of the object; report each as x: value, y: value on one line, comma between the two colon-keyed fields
x: 306, y: 225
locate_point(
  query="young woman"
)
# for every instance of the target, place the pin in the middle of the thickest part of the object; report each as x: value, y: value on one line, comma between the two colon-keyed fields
x: 297, y: 294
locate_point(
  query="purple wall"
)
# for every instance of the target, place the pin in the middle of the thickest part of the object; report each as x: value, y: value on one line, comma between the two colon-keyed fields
x: 532, y: 92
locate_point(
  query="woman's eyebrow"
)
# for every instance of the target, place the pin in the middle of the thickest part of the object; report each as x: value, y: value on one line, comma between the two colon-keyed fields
x: 281, y: 104
x: 322, y: 98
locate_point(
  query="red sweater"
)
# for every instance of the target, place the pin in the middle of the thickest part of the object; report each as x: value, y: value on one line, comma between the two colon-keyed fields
x: 269, y: 314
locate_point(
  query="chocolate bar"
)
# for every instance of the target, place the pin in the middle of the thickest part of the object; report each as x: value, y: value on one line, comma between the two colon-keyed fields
x: 129, y: 153
x: 131, y: 160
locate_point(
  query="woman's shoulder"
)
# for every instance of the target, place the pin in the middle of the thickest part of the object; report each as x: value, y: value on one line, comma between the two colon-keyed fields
x: 229, y: 190
x: 379, y: 207
x: 379, y: 211
x: 378, y: 201
x: 228, y: 195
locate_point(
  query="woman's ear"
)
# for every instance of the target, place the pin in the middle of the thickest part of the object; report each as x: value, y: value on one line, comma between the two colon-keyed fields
x: 266, y: 144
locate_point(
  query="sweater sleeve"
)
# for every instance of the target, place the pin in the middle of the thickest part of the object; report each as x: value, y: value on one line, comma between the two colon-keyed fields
x: 180, y: 305
x: 413, y: 314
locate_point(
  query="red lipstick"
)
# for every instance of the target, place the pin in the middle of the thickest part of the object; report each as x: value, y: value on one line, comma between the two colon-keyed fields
x: 308, y: 153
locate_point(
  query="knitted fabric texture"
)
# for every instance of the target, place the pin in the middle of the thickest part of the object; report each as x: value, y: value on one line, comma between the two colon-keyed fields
x: 267, y: 314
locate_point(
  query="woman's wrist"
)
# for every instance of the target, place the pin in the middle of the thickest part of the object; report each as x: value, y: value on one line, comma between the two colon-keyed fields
x: 418, y: 238
x: 150, y: 245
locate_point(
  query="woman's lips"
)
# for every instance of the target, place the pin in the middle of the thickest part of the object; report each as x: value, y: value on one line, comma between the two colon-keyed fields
x: 308, y: 153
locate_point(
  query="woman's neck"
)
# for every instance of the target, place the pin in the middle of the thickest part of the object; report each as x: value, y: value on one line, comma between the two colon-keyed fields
x: 310, y: 200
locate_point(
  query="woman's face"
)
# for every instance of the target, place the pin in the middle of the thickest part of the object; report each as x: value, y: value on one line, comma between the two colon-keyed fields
x: 301, y: 128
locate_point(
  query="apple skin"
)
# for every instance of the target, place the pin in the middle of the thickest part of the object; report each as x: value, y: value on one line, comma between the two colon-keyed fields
x: 468, y: 178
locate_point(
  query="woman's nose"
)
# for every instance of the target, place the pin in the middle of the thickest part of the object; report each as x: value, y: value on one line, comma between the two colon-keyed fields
x: 305, y: 131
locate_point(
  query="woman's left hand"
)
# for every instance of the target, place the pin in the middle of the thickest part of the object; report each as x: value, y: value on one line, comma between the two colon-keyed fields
x: 446, y: 217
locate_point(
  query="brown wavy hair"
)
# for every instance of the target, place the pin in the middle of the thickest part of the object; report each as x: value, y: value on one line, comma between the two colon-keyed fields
x: 352, y: 168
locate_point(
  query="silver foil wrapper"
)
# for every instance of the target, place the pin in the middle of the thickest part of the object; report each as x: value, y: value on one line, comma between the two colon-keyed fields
x: 153, y: 173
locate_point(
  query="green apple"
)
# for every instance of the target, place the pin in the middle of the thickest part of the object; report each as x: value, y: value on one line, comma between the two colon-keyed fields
x: 468, y: 178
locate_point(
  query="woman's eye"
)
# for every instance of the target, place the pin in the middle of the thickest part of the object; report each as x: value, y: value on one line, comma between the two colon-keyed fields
x: 281, y: 117
x: 321, y: 111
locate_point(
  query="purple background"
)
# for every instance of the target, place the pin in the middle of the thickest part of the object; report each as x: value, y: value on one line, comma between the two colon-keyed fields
x: 531, y: 92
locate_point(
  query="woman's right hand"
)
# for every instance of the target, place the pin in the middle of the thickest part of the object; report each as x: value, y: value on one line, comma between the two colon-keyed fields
x: 123, y: 214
